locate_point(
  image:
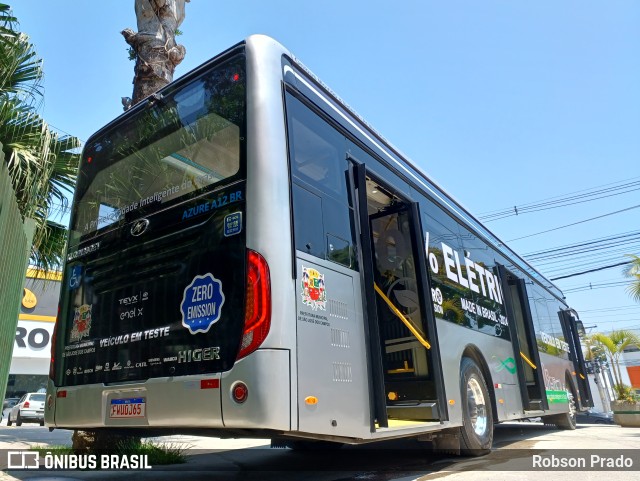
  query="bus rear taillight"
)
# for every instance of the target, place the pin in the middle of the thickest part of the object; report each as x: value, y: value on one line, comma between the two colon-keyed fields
x: 257, y: 311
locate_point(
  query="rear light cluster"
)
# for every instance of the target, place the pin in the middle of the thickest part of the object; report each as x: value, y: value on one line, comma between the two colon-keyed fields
x: 26, y: 405
x: 257, y: 314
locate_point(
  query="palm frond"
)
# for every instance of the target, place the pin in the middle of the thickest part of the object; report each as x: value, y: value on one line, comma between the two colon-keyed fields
x: 42, y: 165
x: 616, y: 341
x: 7, y: 22
x: 48, y: 248
x: 20, y: 68
x: 632, y: 271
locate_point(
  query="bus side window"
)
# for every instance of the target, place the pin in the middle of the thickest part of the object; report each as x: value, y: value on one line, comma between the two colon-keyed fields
x: 309, y: 232
x: 322, y: 218
x: 317, y: 150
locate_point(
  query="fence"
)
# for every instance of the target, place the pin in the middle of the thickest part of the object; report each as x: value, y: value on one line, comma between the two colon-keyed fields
x: 15, y: 244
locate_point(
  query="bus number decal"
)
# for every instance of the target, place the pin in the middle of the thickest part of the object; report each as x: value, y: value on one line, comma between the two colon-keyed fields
x: 314, y: 294
x: 202, y: 303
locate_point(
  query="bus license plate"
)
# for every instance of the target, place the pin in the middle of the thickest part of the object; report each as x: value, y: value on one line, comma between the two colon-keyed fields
x: 128, y: 408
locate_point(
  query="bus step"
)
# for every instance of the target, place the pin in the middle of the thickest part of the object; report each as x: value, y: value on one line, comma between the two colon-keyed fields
x: 423, y: 411
x: 533, y: 413
x: 535, y: 405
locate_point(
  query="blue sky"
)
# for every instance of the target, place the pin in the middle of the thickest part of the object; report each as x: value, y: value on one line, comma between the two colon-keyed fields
x: 502, y: 103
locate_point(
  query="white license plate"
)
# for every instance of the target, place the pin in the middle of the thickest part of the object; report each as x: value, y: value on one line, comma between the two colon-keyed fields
x: 128, y: 408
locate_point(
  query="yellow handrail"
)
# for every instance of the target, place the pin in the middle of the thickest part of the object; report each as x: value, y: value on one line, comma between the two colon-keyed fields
x: 406, y: 321
x: 533, y: 366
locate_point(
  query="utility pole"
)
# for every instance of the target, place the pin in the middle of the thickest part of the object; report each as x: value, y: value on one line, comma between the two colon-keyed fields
x: 601, y: 383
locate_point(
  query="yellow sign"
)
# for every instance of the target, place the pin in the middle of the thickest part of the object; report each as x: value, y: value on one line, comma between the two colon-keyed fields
x: 29, y: 300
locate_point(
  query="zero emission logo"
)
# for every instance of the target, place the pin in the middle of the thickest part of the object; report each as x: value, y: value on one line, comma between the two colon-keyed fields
x: 202, y: 303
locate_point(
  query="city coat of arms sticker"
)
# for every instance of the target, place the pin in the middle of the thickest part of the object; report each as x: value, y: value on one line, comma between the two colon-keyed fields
x: 314, y: 294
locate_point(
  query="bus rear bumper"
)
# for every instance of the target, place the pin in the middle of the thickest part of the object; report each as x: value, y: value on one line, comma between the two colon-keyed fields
x: 267, y: 375
x: 158, y: 402
x: 197, y: 401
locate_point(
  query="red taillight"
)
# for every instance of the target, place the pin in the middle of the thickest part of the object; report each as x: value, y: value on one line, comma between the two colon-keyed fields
x: 239, y: 392
x: 257, y: 311
x: 25, y: 405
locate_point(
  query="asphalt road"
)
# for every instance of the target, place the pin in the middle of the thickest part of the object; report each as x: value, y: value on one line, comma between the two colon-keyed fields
x: 209, y: 458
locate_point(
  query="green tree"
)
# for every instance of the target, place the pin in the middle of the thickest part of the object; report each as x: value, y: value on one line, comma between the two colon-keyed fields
x: 613, y: 345
x: 42, y: 164
x: 632, y: 271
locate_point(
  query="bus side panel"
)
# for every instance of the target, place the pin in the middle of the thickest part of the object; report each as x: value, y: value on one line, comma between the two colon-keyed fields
x: 554, y: 370
x: 332, y: 369
x: 266, y: 374
x: 497, y: 352
x: 268, y: 212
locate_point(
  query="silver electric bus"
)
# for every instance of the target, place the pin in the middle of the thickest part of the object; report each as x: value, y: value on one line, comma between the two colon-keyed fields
x: 248, y: 258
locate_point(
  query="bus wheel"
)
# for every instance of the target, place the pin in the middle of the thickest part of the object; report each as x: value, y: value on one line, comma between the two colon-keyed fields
x: 477, y: 416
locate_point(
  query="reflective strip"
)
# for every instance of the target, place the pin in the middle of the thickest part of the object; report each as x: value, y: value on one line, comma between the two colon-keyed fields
x: 209, y: 383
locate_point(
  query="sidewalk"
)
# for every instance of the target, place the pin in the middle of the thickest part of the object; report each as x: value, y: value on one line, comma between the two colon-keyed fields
x: 595, y: 440
x: 514, y: 446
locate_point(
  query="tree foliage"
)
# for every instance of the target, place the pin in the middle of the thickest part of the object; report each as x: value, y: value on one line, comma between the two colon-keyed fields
x: 632, y: 271
x: 613, y: 345
x: 42, y: 164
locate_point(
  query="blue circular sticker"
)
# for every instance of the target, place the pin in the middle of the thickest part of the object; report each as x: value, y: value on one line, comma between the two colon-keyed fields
x: 202, y: 303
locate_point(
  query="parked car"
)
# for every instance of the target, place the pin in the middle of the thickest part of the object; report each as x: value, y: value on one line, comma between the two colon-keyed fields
x: 594, y: 417
x: 29, y: 409
x: 7, y: 404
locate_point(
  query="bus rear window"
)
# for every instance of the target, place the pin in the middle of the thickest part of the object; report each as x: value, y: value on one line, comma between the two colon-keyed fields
x: 187, y: 142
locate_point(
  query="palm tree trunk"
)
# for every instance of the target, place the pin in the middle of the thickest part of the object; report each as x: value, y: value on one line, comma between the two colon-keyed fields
x: 154, y: 45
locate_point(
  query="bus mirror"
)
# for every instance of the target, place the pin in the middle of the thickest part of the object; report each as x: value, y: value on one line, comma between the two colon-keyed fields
x: 580, y: 329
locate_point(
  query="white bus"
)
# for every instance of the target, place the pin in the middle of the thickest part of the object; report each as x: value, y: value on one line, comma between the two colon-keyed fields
x: 249, y: 258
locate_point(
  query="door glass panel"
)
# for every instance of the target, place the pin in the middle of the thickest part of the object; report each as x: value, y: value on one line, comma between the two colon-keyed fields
x: 395, y: 275
x: 520, y: 327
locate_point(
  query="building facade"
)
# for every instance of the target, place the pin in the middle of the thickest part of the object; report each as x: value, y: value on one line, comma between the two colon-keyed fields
x: 32, y: 346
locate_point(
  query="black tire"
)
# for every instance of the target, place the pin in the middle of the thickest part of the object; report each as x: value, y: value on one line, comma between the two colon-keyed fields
x: 476, y: 433
x: 18, y: 420
x: 9, y: 423
x: 42, y: 423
